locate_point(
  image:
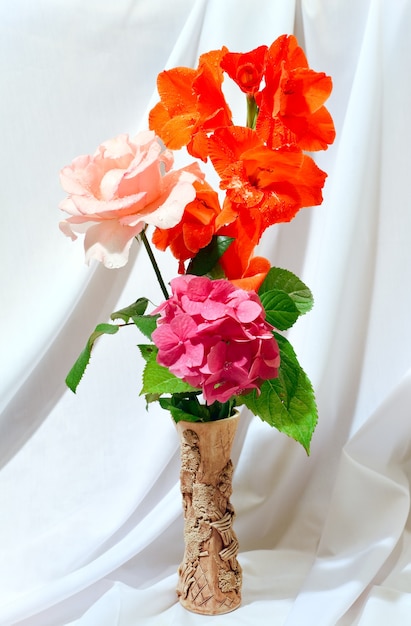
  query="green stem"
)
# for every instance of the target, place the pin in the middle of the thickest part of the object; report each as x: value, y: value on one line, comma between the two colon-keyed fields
x: 154, y: 264
x: 252, y: 111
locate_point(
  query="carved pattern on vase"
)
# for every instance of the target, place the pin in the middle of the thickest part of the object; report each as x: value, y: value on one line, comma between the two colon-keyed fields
x: 210, y: 575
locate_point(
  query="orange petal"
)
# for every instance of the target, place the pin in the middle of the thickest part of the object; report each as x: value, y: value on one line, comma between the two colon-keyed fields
x: 254, y: 276
x: 177, y: 131
x: 315, y: 132
x: 227, y: 145
x: 246, y: 69
x: 175, y: 89
x: 286, y: 48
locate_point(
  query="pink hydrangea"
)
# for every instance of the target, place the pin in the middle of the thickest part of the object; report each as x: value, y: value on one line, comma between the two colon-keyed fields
x: 215, y: 337
x: 127, y: 183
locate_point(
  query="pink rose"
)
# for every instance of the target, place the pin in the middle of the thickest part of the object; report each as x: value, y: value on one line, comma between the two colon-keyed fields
x: 215, y: 336
x: 126, y: 184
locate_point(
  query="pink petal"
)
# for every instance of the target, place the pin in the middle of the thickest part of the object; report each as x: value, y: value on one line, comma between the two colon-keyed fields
x: 109, y: 209
x: 248, y: 311
x: 184, y: 327
x: 166, y: 210
x: 164, y: 337
x: 110, y: 242
x: 193, y: 357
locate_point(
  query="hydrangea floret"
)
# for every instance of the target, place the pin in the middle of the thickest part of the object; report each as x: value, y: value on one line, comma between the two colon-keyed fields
x: 216, y: 340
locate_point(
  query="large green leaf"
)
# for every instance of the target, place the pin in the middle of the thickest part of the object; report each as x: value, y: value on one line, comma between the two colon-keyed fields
x: 289, y: 283
x: 280, y: 309
x: 287, y: 402
x: 206, y: 259
x: 76, y: 373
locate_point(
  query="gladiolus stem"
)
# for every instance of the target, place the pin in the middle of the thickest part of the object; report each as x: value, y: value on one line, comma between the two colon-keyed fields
x: 154, y: 264
x: 252, y: 111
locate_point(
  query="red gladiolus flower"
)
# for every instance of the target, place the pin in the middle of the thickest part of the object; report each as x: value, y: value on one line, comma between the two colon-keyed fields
x: 270, y: 185
x: 291, y: 103
x: 196, y: 228
x: 215, y: 337
x: 191, y: 105
x: 246, y: 69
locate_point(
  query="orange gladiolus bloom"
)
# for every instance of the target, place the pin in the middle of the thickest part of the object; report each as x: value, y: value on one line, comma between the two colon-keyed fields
x: 246, y: 69
x: 238, y: 263
x: 191, y: 105
x: 195, y: 229
x: 291, y: 103
x: 268, y: 185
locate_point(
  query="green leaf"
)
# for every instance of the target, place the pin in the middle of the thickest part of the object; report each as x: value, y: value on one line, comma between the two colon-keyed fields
x: 280, y: 309
x: 76, y: 373
x: 284, y: 280
x: 208, y: 257
x: 152, y: 397
x: 148, y: 351
x: 158, y: 379
x: 287, y: 402
x: 137, y: 308
x: 177, y: 414
x: 146, y: 324
x: 186, y: 408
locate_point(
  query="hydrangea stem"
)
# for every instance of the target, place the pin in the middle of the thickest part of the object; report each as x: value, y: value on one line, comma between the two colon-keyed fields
x: 154, y: 264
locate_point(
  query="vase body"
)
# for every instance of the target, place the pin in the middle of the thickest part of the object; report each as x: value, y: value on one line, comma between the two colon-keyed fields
x: 209, y: 575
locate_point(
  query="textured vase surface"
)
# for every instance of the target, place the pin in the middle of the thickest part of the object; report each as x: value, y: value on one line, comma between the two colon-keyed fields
x: 209, y: 575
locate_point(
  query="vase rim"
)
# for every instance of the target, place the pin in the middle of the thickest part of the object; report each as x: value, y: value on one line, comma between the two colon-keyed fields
x: 188, y: 424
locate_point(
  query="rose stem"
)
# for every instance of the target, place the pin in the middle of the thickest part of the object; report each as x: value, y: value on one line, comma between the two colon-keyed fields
x: 154, y: 263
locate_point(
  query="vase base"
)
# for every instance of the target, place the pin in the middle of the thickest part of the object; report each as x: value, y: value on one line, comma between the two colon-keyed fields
x: 204, y: 610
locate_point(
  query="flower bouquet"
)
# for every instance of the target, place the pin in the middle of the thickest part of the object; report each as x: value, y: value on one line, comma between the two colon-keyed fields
x: 215, y: 340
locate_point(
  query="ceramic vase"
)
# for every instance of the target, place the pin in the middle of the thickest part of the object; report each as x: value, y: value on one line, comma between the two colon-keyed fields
x: 209, y: 576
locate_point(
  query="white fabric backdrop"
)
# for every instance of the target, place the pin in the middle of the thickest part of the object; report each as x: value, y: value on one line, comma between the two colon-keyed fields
x: 91, y: 523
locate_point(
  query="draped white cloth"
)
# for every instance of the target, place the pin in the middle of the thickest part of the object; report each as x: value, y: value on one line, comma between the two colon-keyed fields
x: 91, y: 521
